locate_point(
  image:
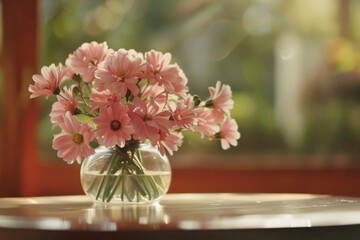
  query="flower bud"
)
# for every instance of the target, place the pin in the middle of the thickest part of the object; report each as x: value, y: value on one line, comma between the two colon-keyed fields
x: 56, y: 91
x: 76, y: 77
x: 77, y: 111
x: 209, y: 103
x: 77, y: 91
x: 197, y: 100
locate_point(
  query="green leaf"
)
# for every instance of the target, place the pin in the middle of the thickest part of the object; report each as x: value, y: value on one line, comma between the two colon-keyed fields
x: 83, y: 118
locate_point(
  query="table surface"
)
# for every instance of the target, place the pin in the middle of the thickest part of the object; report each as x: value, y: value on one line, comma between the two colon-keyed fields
x: 183, y: 213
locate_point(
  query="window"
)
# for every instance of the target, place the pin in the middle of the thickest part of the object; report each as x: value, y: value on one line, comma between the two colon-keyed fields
x: 293, y: 67
x: 272, y: 53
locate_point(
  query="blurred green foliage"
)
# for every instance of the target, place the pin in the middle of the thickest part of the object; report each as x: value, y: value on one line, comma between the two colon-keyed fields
x: 231, y: 41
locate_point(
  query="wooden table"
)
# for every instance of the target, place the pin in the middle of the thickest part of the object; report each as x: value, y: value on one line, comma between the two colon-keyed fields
x: 184, y: 216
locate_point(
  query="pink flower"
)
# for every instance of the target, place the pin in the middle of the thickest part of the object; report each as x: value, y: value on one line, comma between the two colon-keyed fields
x: 104, y: 98
x: 206, y: 124
x: 228, y: 134
x: 73, y: 141
x: 154, y: 93
x: 179, y: 86
x: 148, y: 119
x: 86, y: 59
x: 169, y: 141
x: 120, y: 72
x: 220, y: 99
x: 65, y: 103
x: 182, y: 114
x: 113, y: 126
x: 49, y: 81
x: 159, y: 70
x: 217, y: 115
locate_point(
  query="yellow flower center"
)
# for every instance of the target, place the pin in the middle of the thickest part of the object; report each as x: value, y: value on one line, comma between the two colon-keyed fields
x: 78, y: 138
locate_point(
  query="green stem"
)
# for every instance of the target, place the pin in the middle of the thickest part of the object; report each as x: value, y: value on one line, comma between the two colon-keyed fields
x: 139, y: 184
x: 104, y: 179
x: 109, y: 178
x: 101, y: 172
x: 122, y: 185
x: 119, y: 179
x: 146, y: 188
x: 154, y: 186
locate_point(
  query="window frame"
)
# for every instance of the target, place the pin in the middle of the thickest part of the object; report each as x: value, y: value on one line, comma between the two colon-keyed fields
x: 23, y: 173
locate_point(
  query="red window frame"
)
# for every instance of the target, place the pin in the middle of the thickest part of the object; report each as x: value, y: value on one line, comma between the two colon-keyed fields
x: 23, y: 173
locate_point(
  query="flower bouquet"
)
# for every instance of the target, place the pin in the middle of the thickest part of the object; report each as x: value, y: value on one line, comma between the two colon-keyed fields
x: 119, y: 100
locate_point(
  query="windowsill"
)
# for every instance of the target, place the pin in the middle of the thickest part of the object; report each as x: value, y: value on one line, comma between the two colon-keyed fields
x: 265, y: 161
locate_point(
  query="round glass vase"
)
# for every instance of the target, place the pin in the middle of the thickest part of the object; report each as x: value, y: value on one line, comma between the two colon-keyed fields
x: 120, y: 176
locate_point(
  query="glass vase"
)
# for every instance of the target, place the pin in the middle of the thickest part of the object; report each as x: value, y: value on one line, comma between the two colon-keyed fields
x: 120, y: 176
